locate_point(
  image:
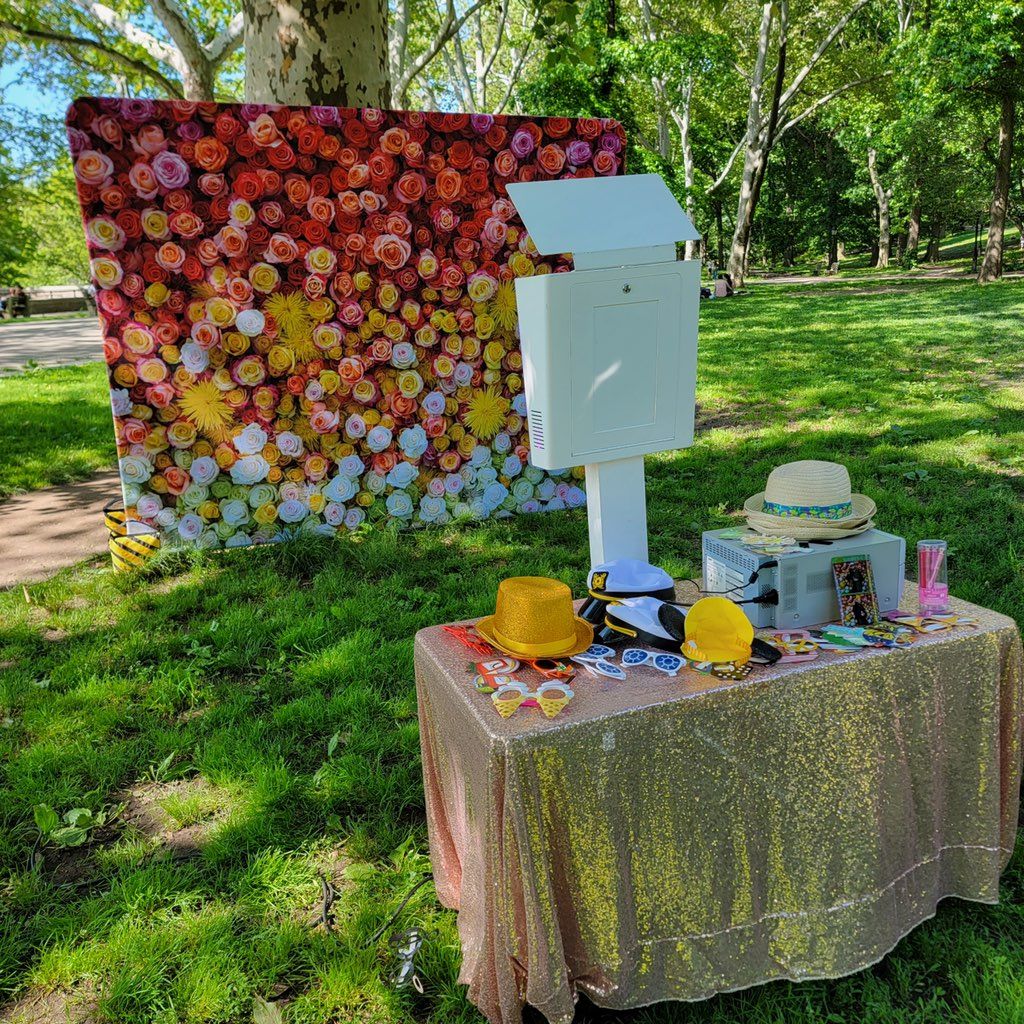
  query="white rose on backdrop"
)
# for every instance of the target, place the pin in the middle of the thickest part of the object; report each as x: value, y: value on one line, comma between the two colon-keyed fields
x: 463, y: 375
x: 250, y: 469
x: 374, y: 483
x: 522, y: 490
x: 120, y: 402
x: 207, y: 541
x: 436, y: 487
x: 399, y: 505
x: 575, y: 497
x: 494, y: 495
x: 250, y: 322
x: 289, y: 444
x: 351, y: 466
x: 403, y: 355
x: 194, y: 495
x: 190, y: 526
x: 481, y: 456
x: 251, y: 440
x: 148, y: 505
x: 204, y: 470
x: 431, y: 507
x: 511, y: 466
x: 433, y: 403
x: 533, y: 474
x: 354, y: 517
x: 378, y: 439
x: 135, y: 469
x: 413, y: 441
x: 194, y: 357
x: 555, y: 505
x: 166, y: 518
x: 238, y: 540
x: 402, y: 475
x: 334, y: 513
x: 453, y: 483
x: 502, y: 443
x: 528, y: 507
x: 341, y: 489
x: 292, y: 511
x: 546, y: 489
x: 519, y: 404
x: 234, y: 512
x: 486, y: 475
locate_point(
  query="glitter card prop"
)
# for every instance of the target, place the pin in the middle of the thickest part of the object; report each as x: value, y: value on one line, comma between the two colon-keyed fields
x: 309, y: 313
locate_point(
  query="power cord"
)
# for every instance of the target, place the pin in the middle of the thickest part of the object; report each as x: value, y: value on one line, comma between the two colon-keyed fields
x: 771, y: 597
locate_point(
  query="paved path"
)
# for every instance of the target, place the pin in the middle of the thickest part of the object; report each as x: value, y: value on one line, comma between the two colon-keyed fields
x: 50, y: 342
x: 45, y: 531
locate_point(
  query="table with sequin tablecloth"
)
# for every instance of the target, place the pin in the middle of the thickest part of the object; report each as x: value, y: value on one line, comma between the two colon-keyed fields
x: 672, y: 838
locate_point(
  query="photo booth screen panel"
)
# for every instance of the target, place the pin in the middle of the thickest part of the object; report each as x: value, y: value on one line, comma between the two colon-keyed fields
x: 309, y: 314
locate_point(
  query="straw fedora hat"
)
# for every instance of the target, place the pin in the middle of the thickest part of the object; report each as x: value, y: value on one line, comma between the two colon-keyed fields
x: 808, y: 500
x: 534, y: 618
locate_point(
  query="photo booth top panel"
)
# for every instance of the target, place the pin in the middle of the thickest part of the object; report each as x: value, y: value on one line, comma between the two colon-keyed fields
x: 309, y: 314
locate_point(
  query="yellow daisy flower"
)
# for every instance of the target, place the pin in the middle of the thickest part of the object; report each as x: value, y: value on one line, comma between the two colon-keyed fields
x: 290, y: 311
x: 503, y: 307
x: 485, y: 413
x: 203, y: 403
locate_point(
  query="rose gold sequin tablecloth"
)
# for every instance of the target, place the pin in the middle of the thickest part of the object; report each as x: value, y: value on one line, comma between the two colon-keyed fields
x: 673, y: 838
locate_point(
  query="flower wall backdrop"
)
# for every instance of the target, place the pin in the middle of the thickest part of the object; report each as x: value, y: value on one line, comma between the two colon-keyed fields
x: 309, y: 313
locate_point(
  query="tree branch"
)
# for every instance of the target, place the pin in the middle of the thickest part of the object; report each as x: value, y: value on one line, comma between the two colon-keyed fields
x: 822, y: 100
x: 819, y: 52
x: 225, y: 43
x: 45, y: 35
x: 132, y: 33
x: 718, y: 182
x: 514, y: 76
x: 449, y: 27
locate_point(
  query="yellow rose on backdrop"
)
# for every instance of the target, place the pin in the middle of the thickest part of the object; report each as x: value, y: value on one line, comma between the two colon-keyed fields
x: 321, y: 309
x: 372, y: 417
x: 266, y: 514
x: 235, y: 344
x: 395, y: 330
x: 376, y: 319
x: 316, y: 465
x: 249, y: 372
x: 295, y: 474
x: 163, y: 461
x: 521, y: 265
x: 453, y: 345
x: 195, y: 310
x: 466, y: 446
x: 410, y: 383
x: 441, y: 443
x: 156, y: 441
x: 218, y: 277
x: 182, y: 379
x: 107, y: 271
x: 429, y: 295
x: 220, y: 311
x: 225, y: 456
x: 470, y: 348
x: 317, y: 502
x: 362, y: 281
x: 202, y: 447
x: 156, y: 294
x: 513, y: 423
x: 280, y: 360
x: 491, y: 376
x: 236, y: 398
x: 272, y: 453
x: 209, y: 510
x: 275, y: 476
x: 154, y: 223
x: 262, y: 344
x: 218, y: 357
x: 387, y: 295
x: 169, y: 414
x: 484, y: 326
x: 456, y: 432
x: 222, y: 379
x: 514, y: 383
x: 330, y: 381
x: 151, y: 371
x: 387, y: 420
x: 364, y: 499
x: 363, y: 390
x: 512, y: 235
x: 286, y: 407
x: 494, y: 352
x: 579, y: 472
x: 157, y: 484
x: 125, y: 376
x: 170, y: 353
x: 264, y: 277
x: 464, y: 393
x: 344, y: 450
x: 181, y: 433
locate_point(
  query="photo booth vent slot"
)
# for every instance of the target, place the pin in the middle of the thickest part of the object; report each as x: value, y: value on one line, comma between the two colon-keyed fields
x: 728, y: 555
x: 789, y: 594
x: 537, y: 429
x: 818, y: 581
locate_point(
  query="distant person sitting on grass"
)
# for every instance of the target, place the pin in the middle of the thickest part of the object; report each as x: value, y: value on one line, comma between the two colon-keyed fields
x: 16, y: 303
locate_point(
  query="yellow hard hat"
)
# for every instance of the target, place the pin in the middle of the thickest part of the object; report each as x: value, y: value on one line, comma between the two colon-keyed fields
x: 718, y: 631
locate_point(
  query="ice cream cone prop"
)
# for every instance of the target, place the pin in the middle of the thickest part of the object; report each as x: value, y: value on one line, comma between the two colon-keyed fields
x: 508, y: 697
x: 552, y: 698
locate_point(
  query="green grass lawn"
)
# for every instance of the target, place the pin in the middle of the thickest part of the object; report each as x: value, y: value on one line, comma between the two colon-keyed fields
x: 248, y: 719
x: 55, y: 427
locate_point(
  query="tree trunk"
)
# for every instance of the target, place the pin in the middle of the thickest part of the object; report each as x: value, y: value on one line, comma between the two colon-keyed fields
x: 882, y: 197
x: 329, y: 52
x: 840, y: 251
x: 934, y: 240
x: 720, y: 233
x: 684, y: 132
x: 992, y: 265
x: 744, y: 216
x: 914, y: 229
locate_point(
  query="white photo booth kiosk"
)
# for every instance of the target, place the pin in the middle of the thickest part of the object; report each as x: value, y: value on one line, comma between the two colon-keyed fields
x: 610, y: 349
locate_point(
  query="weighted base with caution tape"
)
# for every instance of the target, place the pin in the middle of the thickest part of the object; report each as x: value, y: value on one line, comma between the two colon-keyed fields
x: 128, y: 551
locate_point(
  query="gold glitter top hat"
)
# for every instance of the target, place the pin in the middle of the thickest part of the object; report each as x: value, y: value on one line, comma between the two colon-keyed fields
x: 533, y: 618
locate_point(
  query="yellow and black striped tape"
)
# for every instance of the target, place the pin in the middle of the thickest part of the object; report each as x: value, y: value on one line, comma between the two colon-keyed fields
x: 114, y: 519
x: 131, y: 552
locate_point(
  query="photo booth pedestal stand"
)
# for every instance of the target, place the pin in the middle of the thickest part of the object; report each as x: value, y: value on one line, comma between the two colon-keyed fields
x: 609, y: 350
x: 617, y: 510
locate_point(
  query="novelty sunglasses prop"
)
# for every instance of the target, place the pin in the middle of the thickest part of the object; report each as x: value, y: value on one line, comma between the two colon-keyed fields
x: 670, y: 664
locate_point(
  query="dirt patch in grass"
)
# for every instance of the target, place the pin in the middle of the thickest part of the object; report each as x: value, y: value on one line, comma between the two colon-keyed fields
x: 180, y: 815
x: 57, y: 1006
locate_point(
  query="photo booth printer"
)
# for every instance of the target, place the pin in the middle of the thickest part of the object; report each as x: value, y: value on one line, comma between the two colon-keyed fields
x: 797, y: 590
